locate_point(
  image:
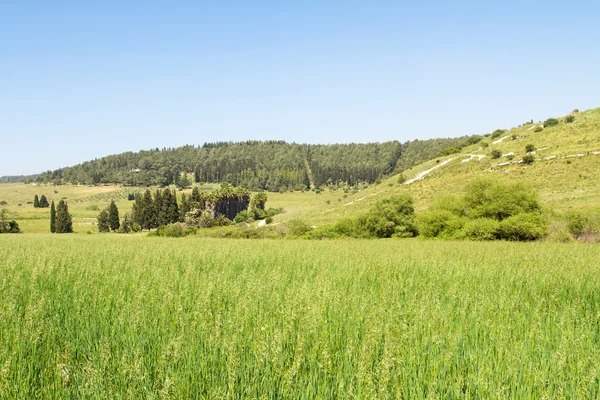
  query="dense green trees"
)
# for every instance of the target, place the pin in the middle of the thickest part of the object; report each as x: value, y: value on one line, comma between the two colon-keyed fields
x: 103, y: 221
x: 52, y: 218
x: 36, y: 201
x: 270, y: 165
x: 40, y: 202
x: 64, y: 221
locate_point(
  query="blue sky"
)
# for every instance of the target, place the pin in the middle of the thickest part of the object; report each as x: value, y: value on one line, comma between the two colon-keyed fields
x: 80, y: 80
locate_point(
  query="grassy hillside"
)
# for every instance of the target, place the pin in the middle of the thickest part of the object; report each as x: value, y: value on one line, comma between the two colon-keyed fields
x: 564, y: 183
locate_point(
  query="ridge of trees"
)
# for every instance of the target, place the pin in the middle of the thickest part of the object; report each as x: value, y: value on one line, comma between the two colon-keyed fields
x: 256, y: 165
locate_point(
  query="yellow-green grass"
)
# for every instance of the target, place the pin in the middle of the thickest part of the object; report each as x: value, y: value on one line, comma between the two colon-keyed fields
x: 107, y: 316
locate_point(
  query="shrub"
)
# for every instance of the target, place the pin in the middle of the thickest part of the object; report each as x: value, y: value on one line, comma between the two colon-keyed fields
x: 481, y: 229
x: 529, y: 159
x: 550, y: 122
x: 514, y: 137
x: 172, y: 230
x: 576, y: 223
x: 538, y: 129
x: 269, y: 220
x: 242, y: 216
x: 438, y: 223
x: 523, y: 227
x: 135, y: 227
x: 569, y: 119
x: 298, y: 228
x: 558, y: 232
x: 529, y: 148
x: 488, y: 198
x: 401, y: 179
x: 485, y: 144
x: 3, y: 203
x: 497, y: 133
x: 575, y: 111
x: 221, y: 220
x: 496, y: 153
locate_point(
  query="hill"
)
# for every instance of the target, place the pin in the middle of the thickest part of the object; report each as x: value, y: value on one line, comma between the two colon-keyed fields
x: 271, y: 165
x: 564, y: 169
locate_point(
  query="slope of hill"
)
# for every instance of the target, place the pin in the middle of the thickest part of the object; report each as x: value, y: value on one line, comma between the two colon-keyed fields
x: 272, y: 166
x: 565, y: 170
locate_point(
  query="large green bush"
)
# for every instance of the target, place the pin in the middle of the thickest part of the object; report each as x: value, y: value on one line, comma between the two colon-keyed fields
x: 550, y: 122
x: 524, y: 227
x: 439, y: 223
x: 481, y: 229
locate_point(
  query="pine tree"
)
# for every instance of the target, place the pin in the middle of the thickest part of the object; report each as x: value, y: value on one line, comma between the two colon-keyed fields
x: 159, y: 210
x: 104, y: 221
x: 173, y: 208
x: 43, y: 203
x: 52, y: 217
x: 185, y: 207
x: 36, y: 202
x: 64, y: 221
x: 113, y: 216
x: 150, y: 215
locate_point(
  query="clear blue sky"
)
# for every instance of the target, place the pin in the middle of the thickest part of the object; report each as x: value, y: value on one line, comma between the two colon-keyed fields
x: 83, y: 79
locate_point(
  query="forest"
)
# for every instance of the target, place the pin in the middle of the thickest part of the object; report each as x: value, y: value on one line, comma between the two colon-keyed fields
x: 257, y: 165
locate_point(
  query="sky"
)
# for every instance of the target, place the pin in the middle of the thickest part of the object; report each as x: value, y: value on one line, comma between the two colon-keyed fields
x: 80, y: 79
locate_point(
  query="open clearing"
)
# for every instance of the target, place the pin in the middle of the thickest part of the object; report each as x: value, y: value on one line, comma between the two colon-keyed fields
x: 104, y: 316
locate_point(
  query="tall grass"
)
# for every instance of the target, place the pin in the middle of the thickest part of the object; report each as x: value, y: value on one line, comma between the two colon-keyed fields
x: 133, y: 317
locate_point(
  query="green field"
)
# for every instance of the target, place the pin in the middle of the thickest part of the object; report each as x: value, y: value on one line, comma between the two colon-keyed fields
x: 107, y: 316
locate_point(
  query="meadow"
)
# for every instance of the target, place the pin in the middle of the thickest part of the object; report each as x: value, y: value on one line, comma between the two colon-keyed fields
x: 125, y: 316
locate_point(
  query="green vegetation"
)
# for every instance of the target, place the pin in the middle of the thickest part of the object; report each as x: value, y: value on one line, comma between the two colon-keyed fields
x: 274, y: 166
x: 94, y: 317
x: 6, y: 225
x: 529, y: 148
x: 569, y: 119
x: 496, y: 153
x: 64, y: 222
x: 550, y: 122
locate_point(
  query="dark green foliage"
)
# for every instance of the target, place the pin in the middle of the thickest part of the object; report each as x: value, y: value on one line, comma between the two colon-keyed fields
x: 529, y: 159
x: 538, y: 129
x: 550, y: 122
x: 496, y: 153
x: 182, y: 181
x: 259, y: 200
x: 176, y: 229
x: 13, y: 227
x: 43, y: 202
x: 18, y: 178
x: 3, y: 203
x: 524, y: 227
x: 529, y: 148
x: 126, y: 224
x: 52, y: 218
x: 64, y: 222
x: 270, y: 166
x: 242, y: 216
x: 7, y: 226
x: 269, y: 220
x: 36, y: 201
x: 131, y: 196
x: 569, y: 119
x: 103, y: 221
x: 401, y: 179
x: 113, y: 216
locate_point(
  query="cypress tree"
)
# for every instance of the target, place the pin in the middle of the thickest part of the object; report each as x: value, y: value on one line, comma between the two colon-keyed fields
x: 43, y: 203
x: 173, y: 208
x: 104, y: 221
x: 36, y: 202
x: 113, y: 216
x: 64, y: 221
x: 52, y: 217
x: 149, y: 211
x: 185, y: 207
x: 159, y: 210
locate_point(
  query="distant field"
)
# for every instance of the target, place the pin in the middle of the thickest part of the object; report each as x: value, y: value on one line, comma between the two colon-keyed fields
x: 94, y: 317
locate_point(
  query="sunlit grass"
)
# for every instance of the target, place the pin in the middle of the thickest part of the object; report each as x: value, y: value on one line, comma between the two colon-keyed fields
x: 117, y: 316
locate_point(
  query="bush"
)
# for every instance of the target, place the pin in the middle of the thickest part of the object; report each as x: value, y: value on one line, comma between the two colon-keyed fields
x: 269, y: 220
x: 242, y: 216
x: 524, y: 227
x: 481, y: 229
x: 3, y: 203
x: 497, y: 133
x: 550, y: 122
x: 529, y: 148
x: 576, y: 223
x: 221, y: 220
x: 569, y: 119
x: 485, y: 144
x: 538, y: 129
x: 173, y: 230
x: 529, y: 159
x: 135, y: 227
x: 401, y: 179
x: 488, y: 198
x: 559, y: 232
x: 496, y: 153
x: 298, y: 228
x: 439, y: 223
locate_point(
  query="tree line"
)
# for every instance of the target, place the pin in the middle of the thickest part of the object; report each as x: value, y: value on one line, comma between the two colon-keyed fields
x: 255, y: 165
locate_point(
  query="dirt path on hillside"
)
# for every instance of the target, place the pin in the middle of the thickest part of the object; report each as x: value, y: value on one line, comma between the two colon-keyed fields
x: 423, y: 174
